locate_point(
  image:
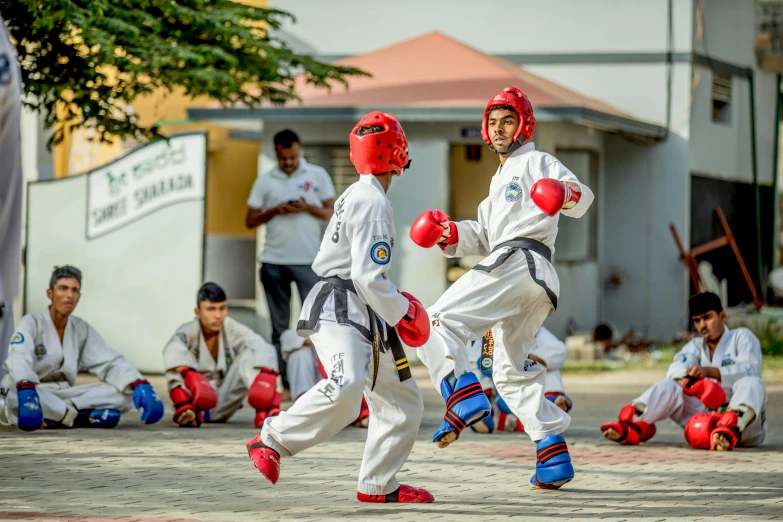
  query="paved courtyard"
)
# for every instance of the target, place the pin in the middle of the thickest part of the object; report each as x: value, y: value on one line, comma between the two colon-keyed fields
x: 162, y: 473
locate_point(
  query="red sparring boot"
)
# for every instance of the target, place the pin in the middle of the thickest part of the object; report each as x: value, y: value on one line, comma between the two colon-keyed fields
x: 728, y: 431
x: 265, y: 459
x: 626, y: 431
x: 363, y: 420
x: 406, y: 494
x: 263, y: 396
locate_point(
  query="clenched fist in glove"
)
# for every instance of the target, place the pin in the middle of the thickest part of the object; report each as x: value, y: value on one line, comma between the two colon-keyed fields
x: 145, y: 398
x: 30, y: 413
x: 708, y: 391
x: 551, y: 195
x: 414, y: 327
x: 433, y: 227
x: 203, y: 394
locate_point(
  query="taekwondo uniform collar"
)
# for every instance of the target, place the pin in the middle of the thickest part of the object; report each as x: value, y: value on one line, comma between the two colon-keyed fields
x: 524, y: 149
x: 371, y: 180
x: 720, y: 348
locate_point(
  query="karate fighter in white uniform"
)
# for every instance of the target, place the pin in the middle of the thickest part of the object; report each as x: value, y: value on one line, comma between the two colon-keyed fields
x: 718, y: 366
x: 511, y: 291
x: 349, y: 316
x: 47, y: 351
x: 548, y: 351
x: 214, y: 362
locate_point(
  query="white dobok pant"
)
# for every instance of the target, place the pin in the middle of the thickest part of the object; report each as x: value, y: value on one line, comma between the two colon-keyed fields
x: 325, y: 409
x: 55, y: 398
x: 506, y: 292
x: 667, y: 399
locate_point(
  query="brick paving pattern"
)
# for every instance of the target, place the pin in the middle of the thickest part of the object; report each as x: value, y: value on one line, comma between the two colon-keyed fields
x: 159, y: 473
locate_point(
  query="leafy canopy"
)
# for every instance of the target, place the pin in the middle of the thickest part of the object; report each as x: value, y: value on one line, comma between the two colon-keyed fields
x: 92, y: 58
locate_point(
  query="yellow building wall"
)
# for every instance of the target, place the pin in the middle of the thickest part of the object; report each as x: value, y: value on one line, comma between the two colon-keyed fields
x: 469, y: 180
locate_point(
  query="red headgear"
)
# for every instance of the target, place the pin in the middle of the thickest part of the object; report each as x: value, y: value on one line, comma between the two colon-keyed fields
x: 380, y: 151
x: 512, y: 97
x: 698, y: 431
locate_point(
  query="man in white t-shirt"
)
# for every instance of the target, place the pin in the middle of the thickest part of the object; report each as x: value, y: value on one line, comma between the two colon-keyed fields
x: 293, y: 200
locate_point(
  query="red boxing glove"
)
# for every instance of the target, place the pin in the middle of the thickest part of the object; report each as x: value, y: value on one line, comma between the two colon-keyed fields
x: 430, y: 228
x: 182, y: 404
x: 709, y: 392
x: 551, y: 195
x: 414, y: 327
x: 203, y: 394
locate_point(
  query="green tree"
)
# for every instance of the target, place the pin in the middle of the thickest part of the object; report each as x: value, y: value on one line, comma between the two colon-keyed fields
x: 92, y: 58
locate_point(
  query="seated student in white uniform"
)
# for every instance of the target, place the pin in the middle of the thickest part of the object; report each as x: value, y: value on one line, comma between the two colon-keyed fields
x: 548, y: 350
x: 213, y: 362
x: 718, y: 366
x: 47, y: 351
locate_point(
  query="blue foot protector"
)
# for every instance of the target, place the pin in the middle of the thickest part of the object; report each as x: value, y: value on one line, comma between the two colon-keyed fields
x: 553, y: 463
x: 466, y: 404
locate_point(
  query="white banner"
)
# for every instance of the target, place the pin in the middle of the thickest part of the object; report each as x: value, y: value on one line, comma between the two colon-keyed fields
x: 144, y: 181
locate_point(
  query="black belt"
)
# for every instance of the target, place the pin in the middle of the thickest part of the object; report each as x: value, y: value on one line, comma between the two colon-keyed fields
x: 379, y: 345
x: 527, y: 246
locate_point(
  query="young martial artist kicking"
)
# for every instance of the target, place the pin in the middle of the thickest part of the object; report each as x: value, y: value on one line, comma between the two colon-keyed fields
x: 511, y: 291
x: 719, y: 364
x: 348, y: 316
x: 213, y: 362
x: 47, y: 351
x: 548, y: 351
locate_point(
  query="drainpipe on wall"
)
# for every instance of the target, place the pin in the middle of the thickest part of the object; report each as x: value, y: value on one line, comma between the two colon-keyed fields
x: 778, y: 103
x: 757, y: 194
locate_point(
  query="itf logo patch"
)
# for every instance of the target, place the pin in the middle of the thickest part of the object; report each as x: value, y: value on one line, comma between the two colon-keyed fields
x: 513, y: 192
x: 381, y: 253
x: 40, y: 351
x: 18, y: 338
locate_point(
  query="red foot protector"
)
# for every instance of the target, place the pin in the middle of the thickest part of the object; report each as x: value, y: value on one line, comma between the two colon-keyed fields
x: 631, y: 433
x: 265, y: 459
x: 406, y: 494
x: 727, y: 426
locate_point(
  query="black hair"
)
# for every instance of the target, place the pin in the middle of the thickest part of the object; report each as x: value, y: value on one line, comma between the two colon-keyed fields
x: 363, y: 131
x: 210, y: 292
x: 506, y: 107
x: 700, y: 304
x: 65, y: 272
x: 286, y: 138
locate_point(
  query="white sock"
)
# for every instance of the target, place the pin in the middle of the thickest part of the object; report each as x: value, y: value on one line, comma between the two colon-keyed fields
x: 70, y: 416
x: 745, y: 415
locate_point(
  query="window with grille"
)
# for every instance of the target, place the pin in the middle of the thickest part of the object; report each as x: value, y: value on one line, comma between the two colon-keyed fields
x: 335, y: 159
x: 721, y: 97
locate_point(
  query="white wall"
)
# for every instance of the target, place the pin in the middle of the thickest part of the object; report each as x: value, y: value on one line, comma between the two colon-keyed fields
x: 645, y: 189
x: 537, y: 26
x: 724, y: 150
x: 725, y: 30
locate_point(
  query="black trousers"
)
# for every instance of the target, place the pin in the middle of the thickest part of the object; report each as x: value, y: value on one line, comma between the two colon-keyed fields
x: 276, y: 280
